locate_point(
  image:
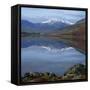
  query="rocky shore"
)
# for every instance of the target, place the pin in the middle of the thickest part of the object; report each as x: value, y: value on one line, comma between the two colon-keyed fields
x: 74, y: 73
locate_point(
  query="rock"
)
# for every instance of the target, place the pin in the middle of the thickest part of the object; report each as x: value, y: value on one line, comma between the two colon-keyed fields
x: 75, y: 72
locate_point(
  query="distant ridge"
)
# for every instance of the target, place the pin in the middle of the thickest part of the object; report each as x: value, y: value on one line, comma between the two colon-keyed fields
x: 28, y: 26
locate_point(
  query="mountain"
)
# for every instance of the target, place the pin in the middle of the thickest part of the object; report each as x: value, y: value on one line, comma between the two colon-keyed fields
x: 49, y: 26
x: 25, y: 25
x: 80, y: 21
x: 74, y: 35
x: 54, y: 20
x: 72, y: 28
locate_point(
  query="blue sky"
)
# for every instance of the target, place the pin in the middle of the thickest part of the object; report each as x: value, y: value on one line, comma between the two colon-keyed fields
x: 39, y: 15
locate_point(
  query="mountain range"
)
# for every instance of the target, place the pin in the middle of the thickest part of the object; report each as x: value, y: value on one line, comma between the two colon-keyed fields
x: 48, y: 26
x: 72, y: 33
x: 45, y: 26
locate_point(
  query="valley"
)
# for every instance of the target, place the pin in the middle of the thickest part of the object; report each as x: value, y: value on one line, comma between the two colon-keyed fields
x: 74, y: 35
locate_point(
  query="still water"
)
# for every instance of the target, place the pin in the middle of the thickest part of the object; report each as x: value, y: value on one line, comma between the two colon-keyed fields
x: 43, y: 54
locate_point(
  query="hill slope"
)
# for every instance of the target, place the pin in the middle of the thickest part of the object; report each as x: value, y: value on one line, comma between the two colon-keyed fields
x: 74, y: 35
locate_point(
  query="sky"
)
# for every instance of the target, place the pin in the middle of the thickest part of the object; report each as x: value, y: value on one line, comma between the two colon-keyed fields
x: 40, y: 15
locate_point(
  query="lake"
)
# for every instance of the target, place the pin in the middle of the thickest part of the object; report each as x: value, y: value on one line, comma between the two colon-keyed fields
x: 42, y: 54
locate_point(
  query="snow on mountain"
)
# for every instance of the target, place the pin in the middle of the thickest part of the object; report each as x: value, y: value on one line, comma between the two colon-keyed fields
x: 51, y: 21
x: 54, y: 20
x: 45, y: 26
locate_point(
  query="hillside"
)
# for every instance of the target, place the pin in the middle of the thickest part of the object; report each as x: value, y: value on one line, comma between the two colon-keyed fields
x: 74, y: 35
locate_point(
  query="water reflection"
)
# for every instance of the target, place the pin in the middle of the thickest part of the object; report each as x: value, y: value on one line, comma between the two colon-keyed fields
x: 41, y: 54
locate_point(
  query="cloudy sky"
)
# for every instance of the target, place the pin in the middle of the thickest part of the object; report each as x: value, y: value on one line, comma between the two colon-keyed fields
x: 40, y: 15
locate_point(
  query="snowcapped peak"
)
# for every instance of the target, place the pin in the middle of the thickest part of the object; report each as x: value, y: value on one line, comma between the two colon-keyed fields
x: 54, y: 20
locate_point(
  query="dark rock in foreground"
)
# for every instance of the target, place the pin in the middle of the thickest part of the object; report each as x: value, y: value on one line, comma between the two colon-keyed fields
x: 76, y: 72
